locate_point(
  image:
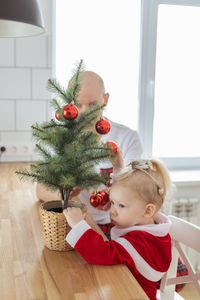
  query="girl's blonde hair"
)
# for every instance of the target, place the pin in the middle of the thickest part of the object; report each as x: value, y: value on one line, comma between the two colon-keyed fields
x: 149, y: 178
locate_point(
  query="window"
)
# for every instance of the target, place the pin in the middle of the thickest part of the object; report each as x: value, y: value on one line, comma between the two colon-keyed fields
x: 169, y: 78
x: 105, y: 34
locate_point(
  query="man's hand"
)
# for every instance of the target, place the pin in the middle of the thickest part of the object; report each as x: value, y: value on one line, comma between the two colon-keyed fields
x: 117, y: 161
x: 73, y: 215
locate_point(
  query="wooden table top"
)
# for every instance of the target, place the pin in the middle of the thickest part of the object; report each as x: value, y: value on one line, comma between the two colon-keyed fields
x: 30, y: 271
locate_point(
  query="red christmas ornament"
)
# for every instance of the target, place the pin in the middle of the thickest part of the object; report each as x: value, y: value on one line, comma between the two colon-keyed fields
x: 57, y: 115
x: 113, y: 146
x: 104, y: 197
x: 99, y: 198
x: 102, y: 126
x: 70, y: 112
x: 95, y: 199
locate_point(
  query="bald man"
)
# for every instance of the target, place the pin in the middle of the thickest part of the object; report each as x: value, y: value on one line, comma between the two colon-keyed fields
x: 92, y: 89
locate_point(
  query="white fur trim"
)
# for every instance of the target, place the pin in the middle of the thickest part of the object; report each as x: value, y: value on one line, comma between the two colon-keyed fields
x: 76, y: 232
x: 142, y: 266
x: 160, y: 229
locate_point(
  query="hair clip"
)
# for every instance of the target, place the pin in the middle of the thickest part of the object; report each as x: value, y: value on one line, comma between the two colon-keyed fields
x: 144, y: 166
x: 160, y: 191
x: 141, y: 164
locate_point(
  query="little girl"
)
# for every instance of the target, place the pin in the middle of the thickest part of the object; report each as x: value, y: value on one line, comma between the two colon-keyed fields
x: 140, y: 236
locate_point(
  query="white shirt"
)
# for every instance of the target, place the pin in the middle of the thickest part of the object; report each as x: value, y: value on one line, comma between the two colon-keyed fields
x: 129, y: 142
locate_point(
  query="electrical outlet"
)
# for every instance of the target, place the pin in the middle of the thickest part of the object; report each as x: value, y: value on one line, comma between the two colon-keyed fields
x: 18, y: 152
x: 21, y: 149
x: 26, y: 149
x: 12, y: 150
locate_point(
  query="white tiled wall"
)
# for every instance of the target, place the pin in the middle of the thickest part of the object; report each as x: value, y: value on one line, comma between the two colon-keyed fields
x: 31, y: 52
x: 15, y: 83
x: 25, y: 66
x: 39, y: 80
x: 7, y: 52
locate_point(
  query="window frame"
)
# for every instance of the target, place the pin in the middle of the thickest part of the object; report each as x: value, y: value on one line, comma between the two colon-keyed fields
x: 149, y: 17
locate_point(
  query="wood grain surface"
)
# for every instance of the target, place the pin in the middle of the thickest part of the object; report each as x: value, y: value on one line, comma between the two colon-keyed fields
x: 29, y: 271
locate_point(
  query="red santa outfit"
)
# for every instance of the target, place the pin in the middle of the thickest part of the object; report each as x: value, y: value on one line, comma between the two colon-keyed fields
x: 146, y: 249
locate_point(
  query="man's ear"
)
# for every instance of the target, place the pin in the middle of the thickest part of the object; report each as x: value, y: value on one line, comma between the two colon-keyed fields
x: 106, y: 97
x: 149, y: 210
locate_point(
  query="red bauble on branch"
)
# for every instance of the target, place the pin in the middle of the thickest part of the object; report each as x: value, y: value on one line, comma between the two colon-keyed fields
x: 102, y: 126
x: 57, y: 115
x: 99, y: 198
x: 104, y: 198
x: 70, y: 112
x: 95, y: 199
x: 113, y: 146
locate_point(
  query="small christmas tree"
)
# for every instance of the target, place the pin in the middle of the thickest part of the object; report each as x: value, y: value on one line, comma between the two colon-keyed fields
x: 69, y: 149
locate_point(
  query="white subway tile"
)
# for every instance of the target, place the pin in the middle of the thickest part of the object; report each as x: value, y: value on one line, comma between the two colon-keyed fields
x: 51, y: 53
x: 7, y: 115
x: 7, y: 52
x: 28, y: 113
x: 31, y: 52
x: 39, y: 83
x: 14, y: 136
x: 46, y: 9
x: 15, y: 83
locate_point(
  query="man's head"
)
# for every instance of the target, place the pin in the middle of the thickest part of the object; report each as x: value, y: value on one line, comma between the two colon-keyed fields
x: 92, y: 89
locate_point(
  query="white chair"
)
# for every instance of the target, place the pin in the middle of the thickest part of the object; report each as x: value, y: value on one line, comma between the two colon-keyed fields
x: 167, y: 204
x: 188, y: 234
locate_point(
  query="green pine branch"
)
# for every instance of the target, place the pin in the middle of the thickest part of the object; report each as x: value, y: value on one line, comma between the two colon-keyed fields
x: 37, y: 128
x: 54, y: 87
x: 50, y: 124
x: 96, y: 159
x: 43, y: 151
x: 55, y: 104
x: 75, y: 84
x: 76, y: 88
x: 24, y: 174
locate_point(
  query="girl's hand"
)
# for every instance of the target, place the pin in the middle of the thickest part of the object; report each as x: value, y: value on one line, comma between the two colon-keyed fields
x: 117, y: 161
x: 73, y: 215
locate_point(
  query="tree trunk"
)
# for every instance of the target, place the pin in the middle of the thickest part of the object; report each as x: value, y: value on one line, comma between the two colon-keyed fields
x: 65, y: 197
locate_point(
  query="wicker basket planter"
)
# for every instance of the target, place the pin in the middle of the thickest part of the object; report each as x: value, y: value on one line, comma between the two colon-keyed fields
x: 55, y: 226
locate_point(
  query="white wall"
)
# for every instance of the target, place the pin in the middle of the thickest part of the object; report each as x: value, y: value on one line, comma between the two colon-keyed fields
x: 25, y: 66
